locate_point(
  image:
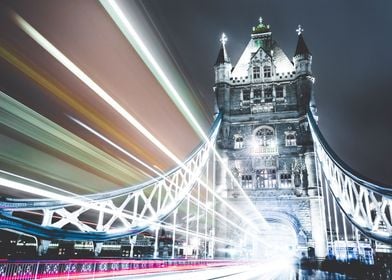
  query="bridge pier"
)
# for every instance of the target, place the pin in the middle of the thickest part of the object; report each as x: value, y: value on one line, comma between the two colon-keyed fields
x: 43, y: 247
x: 97, y: 248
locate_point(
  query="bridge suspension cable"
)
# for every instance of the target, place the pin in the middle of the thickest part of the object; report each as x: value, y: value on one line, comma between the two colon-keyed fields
x: 367, y: 205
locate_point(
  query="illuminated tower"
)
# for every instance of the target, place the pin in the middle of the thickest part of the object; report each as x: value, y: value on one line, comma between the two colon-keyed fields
x: 266, y: 141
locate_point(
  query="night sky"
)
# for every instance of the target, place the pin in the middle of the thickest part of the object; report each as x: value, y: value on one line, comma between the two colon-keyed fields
x: 351, y: 47
x: 351, y: 44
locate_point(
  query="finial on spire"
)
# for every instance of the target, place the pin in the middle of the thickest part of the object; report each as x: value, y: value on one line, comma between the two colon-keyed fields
x: 260, y: 20
x: 223, y: 39
x: 299, y: 29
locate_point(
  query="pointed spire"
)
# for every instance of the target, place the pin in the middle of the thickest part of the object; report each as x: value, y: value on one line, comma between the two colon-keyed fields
x: 222, y: 56
x: 301, y: 49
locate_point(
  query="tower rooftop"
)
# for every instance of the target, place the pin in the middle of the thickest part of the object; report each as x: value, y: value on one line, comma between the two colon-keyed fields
x: 301, y: 49
x: 222, y: 55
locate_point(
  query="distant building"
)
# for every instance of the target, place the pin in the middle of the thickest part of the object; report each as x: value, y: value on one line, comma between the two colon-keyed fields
x: 266, y: 141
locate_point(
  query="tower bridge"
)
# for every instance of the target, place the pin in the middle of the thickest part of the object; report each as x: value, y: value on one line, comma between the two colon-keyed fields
x: 263, y: 185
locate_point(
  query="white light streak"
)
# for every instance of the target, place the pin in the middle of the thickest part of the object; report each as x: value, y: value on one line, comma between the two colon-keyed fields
x: 59, y: 56
x: 135, y: 40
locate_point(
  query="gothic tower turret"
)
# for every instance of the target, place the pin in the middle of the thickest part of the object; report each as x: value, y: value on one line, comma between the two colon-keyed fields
x: 302, y: 56
x: 222, y: 69
x: 303, y: 67
x: 222, y: 65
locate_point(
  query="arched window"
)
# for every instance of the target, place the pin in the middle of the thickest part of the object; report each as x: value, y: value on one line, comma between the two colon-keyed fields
x: 265, y: 136
x: 264, y: 141
x: 238, y: 141
x: 291, y: 140
x: 267, y: 71
x: 256, y: 72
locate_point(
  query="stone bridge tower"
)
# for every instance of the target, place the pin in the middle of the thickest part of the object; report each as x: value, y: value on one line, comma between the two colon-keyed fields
x: 266, y: 141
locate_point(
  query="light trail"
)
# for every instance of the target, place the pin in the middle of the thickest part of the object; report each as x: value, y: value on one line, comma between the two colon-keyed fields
x: 135, y: 40
x: 67, y: 63
x: 59, y: 190
x: 65, y: 96
x: 59, y: 56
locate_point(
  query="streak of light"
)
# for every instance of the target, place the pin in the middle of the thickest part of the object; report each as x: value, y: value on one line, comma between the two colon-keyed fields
x: 82, y: 154
x: 64, y: 95
x: 57, y: 54
x: 118, y: 148
x: 58, y: 190
x: 136, y: 41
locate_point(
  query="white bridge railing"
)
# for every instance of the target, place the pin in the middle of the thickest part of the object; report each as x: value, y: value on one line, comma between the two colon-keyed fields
x: 366, y: 205
x: 111, y: 215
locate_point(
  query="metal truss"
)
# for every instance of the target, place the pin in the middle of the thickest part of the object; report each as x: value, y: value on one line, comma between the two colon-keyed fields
x: 111, y: 215
x: 366, y: 205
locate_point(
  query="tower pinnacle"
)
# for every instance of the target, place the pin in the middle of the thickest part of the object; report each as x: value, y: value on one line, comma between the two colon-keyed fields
x: 299, y: 29
x: 223, y: 39
x: 222, y: 56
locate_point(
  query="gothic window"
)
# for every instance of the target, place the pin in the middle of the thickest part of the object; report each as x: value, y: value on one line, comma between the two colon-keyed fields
x: 268, y: 94
x: 291, y: 140
x: 285, y: 180
x: 265, y: 178
x: 238, y: 141
x: 257, y: 93
x: 257, y: 96
x: 256, y: 72
x: 267, y: 71
x: 265, y: 136
x: 246, y: 181
x: 279, y: 91
x: 246, y: 95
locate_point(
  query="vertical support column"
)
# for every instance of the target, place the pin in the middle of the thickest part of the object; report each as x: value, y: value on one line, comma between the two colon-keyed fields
x: 309, y: 159
x: 316, y: 212
x: 320, y: 189
x: 344, y: 232
x: 206, y: 211
x: 156, y: 252
x: 43, y: 247
x: 132, y: 240
x: 357, y: 241
x: 156, y: 242
x: 336, y: 223
x: 97, y: 248
x: 329, y: 214
x: 187, y: 225
x: 198, y: 221
x: 212, y: 247
x: 174, y: 233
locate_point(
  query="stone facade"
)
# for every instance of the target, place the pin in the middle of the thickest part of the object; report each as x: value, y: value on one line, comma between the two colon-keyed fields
x: 265, y: 137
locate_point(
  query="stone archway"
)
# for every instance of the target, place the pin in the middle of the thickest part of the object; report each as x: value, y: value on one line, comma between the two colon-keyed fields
x: 284, y: 235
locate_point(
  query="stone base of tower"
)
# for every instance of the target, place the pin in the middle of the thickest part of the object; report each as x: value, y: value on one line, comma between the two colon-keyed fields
x: 293, y: 225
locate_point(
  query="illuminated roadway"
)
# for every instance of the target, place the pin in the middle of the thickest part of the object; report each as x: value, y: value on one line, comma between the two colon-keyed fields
x: 266, y: 271
x: 277, y: 269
